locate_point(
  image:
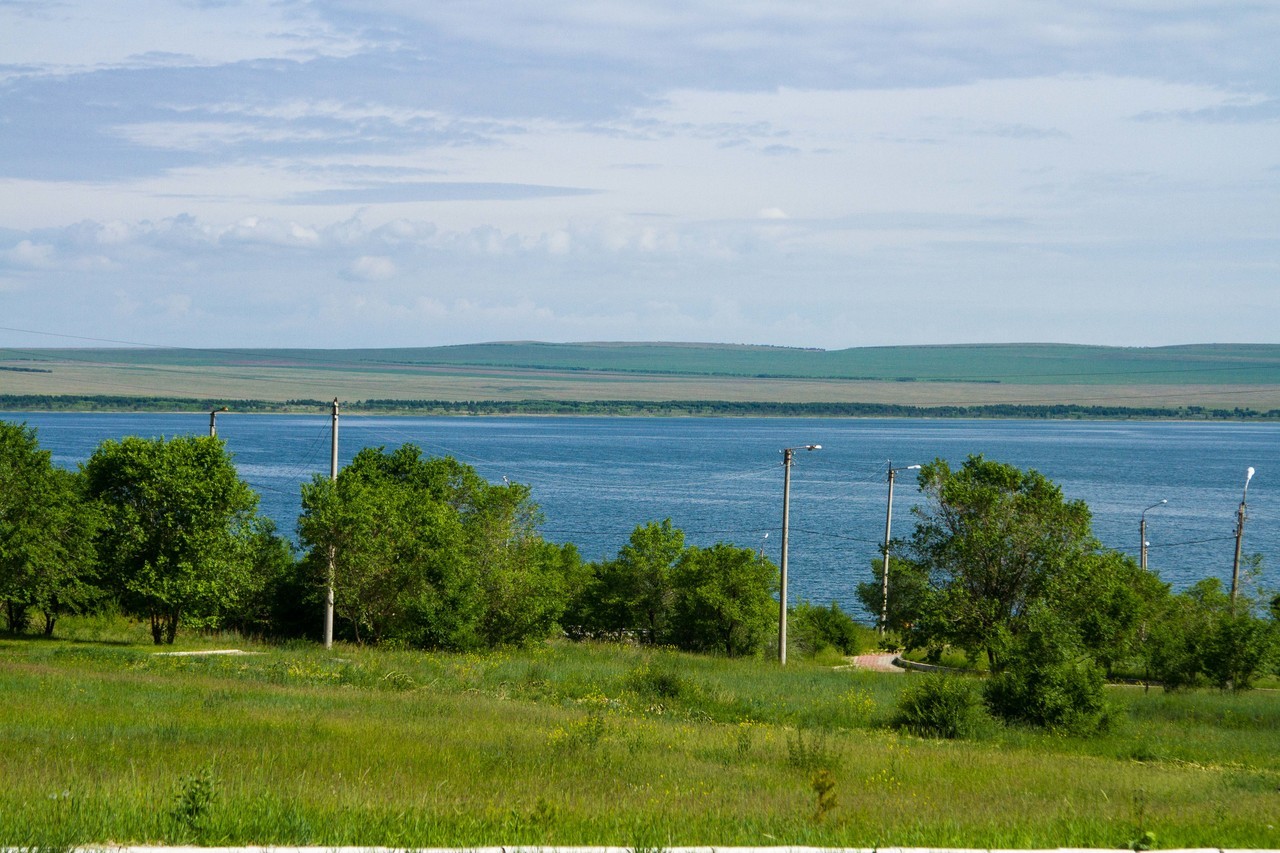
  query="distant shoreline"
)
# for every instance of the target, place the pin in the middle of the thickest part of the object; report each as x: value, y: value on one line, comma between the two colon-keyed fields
x: 103, y: 404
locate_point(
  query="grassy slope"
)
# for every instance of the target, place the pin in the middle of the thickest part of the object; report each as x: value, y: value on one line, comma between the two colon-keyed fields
x: 1209, y: 375
x: 1037, y: 364
x: 583, y: 745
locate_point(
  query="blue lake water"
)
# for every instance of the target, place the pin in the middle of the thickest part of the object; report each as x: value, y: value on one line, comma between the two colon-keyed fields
x: 721, y: 478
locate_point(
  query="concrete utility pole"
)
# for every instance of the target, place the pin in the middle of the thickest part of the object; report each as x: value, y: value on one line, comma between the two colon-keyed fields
x: 1240, y: 516
x: 1142, y: 530
x: 213, y: 421
x: 888, y: 523
x: 333, y: 475
x: 787, y: 453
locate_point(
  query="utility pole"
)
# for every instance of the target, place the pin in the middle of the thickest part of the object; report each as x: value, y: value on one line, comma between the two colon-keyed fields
x: 782, y: 588
x: 213, y: 421
x: 1142, y: 530
x: 787, y: 453
x: 333, y: 476
x: 1240, y: 516
x: 888, y: 523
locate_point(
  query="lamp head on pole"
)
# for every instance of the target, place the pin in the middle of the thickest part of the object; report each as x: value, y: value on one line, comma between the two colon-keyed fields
x: 1247, y: 477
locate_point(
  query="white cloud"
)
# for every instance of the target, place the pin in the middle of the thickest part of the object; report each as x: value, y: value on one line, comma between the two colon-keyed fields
x: 651, y: 169
x: 29, y: 255
x: 78, y: 34
x: 372, y: 268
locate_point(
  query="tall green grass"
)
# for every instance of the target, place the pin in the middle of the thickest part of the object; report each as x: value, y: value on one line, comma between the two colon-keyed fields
x: 101, y: 740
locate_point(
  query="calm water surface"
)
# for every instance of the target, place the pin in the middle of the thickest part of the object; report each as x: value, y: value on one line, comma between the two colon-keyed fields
x: 721, y: 478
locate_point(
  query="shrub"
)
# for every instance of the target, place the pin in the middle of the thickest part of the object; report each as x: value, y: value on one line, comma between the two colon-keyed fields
x: 815, y: 629
x: 661, y: 683
x: 942, y: 706
x: 1239, y: 649
x: 1199, y: 639
x: 1050, y: 681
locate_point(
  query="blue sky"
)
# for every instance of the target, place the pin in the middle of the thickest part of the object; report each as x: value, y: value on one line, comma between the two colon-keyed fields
x: 216, y: 173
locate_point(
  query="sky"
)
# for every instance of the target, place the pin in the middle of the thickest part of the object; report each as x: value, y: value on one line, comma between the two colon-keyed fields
x: 343, y: 173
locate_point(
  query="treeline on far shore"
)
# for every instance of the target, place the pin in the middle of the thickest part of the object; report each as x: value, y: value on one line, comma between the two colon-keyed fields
x: 633, y: 408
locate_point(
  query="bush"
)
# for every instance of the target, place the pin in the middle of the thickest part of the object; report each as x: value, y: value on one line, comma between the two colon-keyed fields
x: 1239, y: 649
x: 815, y: 629
x: 1050, y: 681
x: 1199, y: 640
x: 942, y: 706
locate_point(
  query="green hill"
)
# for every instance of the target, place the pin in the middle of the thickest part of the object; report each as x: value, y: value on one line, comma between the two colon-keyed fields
x: 1019, y: 364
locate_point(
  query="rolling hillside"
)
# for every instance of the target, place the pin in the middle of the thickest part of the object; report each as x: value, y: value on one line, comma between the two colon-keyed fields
x: 1214, y: 376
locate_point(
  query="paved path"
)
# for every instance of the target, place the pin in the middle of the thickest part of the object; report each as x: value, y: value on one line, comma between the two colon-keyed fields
x: 876, y: 662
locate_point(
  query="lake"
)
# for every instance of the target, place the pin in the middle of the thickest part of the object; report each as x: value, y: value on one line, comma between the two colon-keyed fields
x: 721, y: 478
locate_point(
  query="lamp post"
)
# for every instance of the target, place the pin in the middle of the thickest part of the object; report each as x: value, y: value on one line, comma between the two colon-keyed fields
x: 787, y: 453
x: 213, y: 421
x: 1142, y: 530
x: 888, y: 523
x: 1240, y: 515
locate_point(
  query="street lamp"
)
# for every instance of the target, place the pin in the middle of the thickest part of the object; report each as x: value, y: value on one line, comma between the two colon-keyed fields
x: 1235, y: 567
x: 888, y: 522
x: 787, y: 453
x: 213, y: 421
x: 1142, y: 529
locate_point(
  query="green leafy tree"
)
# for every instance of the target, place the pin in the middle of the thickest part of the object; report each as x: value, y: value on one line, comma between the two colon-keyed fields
x: 397, y: 561
x: 47, y: 558
x: 631, y: 595
x: 1200, y: 639
x: 270, y: 605
x: 646, y: 565
x: 993, y: 540
x: 65, y: 577
x: 1110, y: 602
x: 177, y: 520
x: 909, y: 592
x: 427, y: 553
x: 723, y: 600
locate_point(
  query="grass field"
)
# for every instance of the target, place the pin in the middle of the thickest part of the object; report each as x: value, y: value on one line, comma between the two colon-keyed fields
x: 1226, y: 376
x: 103, y: 740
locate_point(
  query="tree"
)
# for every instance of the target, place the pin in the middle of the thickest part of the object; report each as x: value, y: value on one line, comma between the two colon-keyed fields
x: 645, y: 565
x: 1200, y: 638
x: 909, y: 592
x: 47, y: 560
x: 1110, y: 602
x: 270, y: 606
x: 178, y: 519
x: 993, y: 540
x: 429, y: 554
x: 64, y: 577
x: 631, y: 595
x: 723, y: 600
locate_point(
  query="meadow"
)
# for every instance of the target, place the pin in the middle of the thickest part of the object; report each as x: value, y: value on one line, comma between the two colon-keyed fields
x: 103, y: 740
